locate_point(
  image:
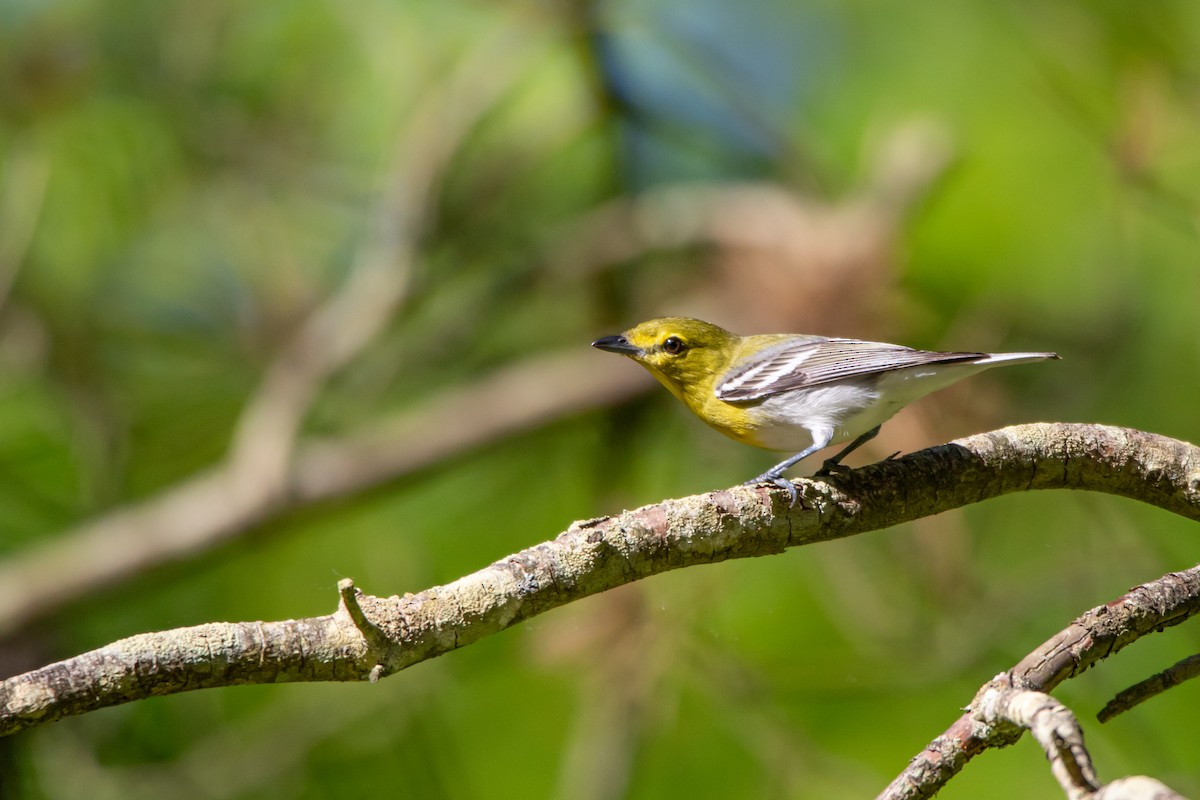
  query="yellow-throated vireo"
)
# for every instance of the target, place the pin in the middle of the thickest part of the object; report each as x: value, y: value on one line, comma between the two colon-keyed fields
x: 790, y: 391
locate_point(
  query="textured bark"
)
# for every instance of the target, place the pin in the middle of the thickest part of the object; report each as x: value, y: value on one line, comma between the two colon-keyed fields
x: 369, y: 637
x: 1092, y: 637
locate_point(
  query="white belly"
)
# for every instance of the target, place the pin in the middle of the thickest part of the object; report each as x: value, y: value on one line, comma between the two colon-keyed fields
x: 793, y: 421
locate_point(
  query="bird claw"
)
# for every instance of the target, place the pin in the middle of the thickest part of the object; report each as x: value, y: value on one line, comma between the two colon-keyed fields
x: 776, y: 480
x: 831, y: 467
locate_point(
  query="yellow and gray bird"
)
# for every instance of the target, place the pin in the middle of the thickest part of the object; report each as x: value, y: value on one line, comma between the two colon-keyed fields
x: 791, y: 391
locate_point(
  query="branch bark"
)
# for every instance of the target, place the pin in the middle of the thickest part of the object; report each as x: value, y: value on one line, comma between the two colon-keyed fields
x: 369, y: 637
x: 1003, y: 707
x: 1094, y: 636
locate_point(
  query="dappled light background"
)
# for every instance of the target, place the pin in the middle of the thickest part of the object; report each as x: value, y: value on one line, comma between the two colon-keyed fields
x: 298, y: 290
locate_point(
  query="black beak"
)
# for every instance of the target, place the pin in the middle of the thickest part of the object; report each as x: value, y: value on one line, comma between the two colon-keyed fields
x: 616, y: 344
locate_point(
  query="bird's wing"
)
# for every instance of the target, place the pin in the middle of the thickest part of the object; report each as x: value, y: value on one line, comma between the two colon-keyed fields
x: 803, y: 362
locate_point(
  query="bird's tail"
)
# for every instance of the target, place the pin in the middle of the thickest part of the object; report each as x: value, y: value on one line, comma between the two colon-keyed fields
x: 1015, y: 358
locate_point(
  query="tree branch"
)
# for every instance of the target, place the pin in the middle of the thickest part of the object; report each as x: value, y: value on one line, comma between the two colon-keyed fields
x: 259, y: 476
x: 1053, y: 726
x: 378, y: 281
x: 210, y: 508
x: 1001, y: 706
x: 1156, y: 684
x: 1091, y: 638
x: 369, y: 637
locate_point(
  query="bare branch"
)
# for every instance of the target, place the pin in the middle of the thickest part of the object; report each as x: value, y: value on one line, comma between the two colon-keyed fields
x: 379, y: 278
x: 1052, y: 725
x: 212, y: 507
x: 259, y: 477
x: 1092, y: 637
x: 1000, y: 706
x: 1153, y: 686
x: 804, y: 233
x: 598, y: 554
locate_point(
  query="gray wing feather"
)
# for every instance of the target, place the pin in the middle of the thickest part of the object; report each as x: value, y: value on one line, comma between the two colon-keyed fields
x: 804, y: 363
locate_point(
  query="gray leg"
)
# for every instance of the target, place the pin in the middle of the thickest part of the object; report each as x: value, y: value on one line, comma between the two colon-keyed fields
x: 834, y: 463
x: 775, y: 474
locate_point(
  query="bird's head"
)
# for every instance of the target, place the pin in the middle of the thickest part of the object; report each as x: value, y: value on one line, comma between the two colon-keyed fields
x: 684, y: 354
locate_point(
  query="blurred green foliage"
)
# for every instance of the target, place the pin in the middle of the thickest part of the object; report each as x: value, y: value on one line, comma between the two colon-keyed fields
x: 182, y: 183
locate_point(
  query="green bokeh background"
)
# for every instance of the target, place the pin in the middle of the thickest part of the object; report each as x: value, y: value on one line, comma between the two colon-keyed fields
x: 180, y: 183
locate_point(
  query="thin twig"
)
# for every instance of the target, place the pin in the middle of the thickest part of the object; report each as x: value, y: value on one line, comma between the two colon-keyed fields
x: 1153, y: 686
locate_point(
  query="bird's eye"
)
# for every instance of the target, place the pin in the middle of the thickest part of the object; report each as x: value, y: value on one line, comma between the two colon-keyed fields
x: 673, y: 345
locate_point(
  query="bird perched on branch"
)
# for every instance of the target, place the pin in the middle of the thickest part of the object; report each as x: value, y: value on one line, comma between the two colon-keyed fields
x: 791, y: 391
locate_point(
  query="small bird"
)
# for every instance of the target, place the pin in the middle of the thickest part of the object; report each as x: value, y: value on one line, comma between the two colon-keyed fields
x: 790, y: 391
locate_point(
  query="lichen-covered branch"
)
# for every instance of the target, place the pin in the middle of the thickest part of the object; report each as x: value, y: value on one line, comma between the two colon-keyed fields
x: 1001, y: 705
x: 369, y: 637
x: 1053, y: 726
x: 1092, y: 637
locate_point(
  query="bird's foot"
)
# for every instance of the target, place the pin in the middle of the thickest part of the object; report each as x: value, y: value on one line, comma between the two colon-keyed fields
x: 775, y: 479
x: 832, y: 466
